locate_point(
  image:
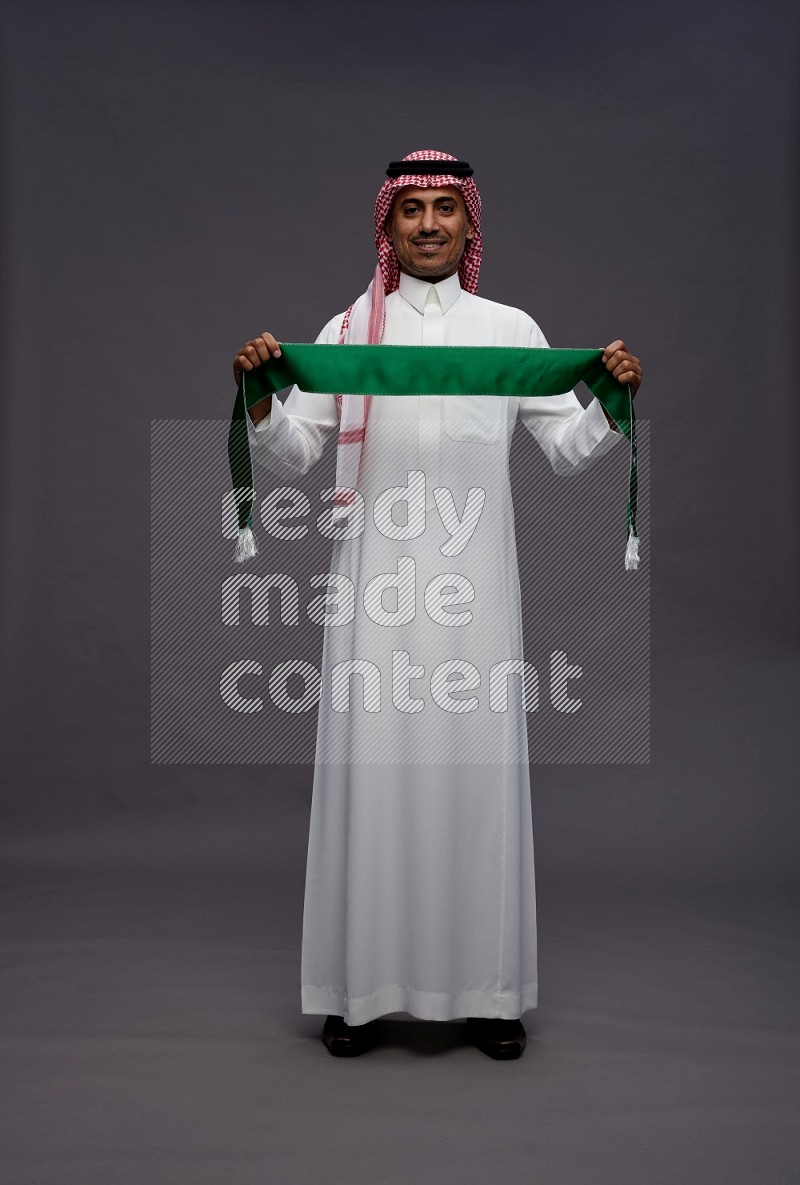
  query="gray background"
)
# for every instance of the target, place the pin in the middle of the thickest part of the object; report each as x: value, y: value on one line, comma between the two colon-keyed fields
x: 177, y: 178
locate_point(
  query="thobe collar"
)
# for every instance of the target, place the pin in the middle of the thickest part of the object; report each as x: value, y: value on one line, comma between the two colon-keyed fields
x: 416, y: 291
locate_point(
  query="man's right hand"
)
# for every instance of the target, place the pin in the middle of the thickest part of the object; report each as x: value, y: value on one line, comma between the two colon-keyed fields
x: 259, y: 350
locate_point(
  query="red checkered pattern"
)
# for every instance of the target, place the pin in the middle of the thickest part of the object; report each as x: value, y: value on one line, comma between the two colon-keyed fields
x: 353, y: 420
x: 470, y: 264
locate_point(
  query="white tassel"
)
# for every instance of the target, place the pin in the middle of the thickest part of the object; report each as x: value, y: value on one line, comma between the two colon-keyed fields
x: 632, y: 553
x: 246, y: 545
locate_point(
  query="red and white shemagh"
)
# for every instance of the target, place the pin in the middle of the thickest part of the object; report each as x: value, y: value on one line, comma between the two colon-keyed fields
x: 365, y: 320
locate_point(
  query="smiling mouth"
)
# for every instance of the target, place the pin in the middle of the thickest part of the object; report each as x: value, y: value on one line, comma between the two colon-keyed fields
x: 429, y: 247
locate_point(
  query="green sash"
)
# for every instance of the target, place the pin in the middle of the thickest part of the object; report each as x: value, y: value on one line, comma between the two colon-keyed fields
x: 425, y: 370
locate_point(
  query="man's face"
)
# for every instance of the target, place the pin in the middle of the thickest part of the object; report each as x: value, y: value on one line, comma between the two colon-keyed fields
x: 429, y: 229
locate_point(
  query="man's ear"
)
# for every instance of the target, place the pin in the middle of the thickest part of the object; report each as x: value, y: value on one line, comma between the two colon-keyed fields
x: 470, y: 231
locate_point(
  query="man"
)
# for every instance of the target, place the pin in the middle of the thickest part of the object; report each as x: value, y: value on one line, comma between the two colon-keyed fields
x: 419, y: 882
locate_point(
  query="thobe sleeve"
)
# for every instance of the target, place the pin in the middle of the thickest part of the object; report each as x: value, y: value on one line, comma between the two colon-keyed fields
x: 292, y: 437
x: 571, y: 436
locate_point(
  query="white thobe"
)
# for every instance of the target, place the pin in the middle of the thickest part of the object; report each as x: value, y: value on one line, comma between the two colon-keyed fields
x: 419, y: 892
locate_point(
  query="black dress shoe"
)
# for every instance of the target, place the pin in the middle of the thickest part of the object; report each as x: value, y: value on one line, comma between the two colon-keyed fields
x: 501, y: 1039
x: 347, y: 1040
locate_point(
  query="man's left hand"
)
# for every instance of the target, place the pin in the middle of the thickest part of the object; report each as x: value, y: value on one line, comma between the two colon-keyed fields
x: 624, y: 366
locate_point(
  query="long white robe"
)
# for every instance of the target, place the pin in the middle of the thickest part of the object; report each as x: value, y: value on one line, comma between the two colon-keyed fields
x: 420, y: 890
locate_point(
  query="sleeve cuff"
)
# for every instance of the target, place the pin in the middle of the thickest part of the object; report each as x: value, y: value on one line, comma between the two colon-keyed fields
x: 257, y: 433
x: 602, y: 435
